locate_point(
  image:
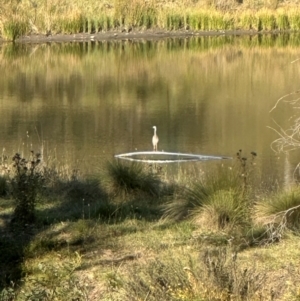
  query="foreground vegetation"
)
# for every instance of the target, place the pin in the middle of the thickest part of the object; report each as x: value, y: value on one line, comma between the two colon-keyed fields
x: 132, y: 233
x: 18, y: 18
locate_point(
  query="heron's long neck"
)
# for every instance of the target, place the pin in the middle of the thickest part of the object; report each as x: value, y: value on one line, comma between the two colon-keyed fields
x: 154, y: 131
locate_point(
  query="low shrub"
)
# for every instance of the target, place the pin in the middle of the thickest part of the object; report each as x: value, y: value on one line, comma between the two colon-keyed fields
x: 279, y: 212
x: 130, y: 178
x: 223, y: 210
x: 25, y: 184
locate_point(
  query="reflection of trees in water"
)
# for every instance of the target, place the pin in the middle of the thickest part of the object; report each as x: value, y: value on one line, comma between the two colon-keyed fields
x: 108, y: 95
x: 27, y: 87
x: 23, y: 87
x: 74, y: 88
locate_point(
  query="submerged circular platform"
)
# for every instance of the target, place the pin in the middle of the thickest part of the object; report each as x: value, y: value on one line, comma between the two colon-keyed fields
x: 166, y: 157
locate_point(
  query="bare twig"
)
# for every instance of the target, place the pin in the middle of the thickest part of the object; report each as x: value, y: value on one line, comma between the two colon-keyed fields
x: 294, y: 61
x: 293, y: 93
x: 297, y: 167
x: 289, y: 139
x: 278, y: 225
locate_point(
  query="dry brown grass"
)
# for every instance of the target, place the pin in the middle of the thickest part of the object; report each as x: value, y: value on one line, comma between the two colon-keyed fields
x: 78, y: 252
x: 81, y: 16
x: 136, y: 259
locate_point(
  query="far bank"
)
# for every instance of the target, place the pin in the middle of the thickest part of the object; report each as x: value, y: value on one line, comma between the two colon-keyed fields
x: 89, y: 20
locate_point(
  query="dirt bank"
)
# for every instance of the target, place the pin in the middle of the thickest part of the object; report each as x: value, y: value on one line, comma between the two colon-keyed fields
x: 132, y: 35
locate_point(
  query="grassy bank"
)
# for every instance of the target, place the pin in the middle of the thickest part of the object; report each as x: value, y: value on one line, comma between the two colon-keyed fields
x: 132, y: 233
x: 18, y: 18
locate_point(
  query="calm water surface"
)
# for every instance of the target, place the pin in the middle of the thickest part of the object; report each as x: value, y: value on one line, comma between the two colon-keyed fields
x: 85, y: 102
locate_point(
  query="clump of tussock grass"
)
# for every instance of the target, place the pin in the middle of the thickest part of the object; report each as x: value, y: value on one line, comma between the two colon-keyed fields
x: 221, y: 200
x: 177, y: 209
x: 85, y: 189
x: 196, y: 196
x: 280, y: 211
x: 129, y: 178
x: 223, y: 210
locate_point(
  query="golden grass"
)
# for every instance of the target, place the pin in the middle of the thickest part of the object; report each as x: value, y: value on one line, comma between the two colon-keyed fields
x: 281, y: 210
x: 69, y: 17
x: 75, y: 252
x: 110, y: 254
x: 109, y: 266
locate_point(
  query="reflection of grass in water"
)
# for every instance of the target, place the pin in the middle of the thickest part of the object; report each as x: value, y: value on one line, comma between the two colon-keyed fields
x: 68, y: 64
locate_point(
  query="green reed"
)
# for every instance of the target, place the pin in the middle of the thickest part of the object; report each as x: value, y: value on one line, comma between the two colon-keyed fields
x: 294, y: 19
x: 246, y: 20
x: 221, y: 21
x: 267, y: 20
x: 203, y: 20
x: 175, y: 21
x: 73, y: 25
x: 193, y: 21
x: 13, y: 29
x: 104, y: 23
x: 282, y: 21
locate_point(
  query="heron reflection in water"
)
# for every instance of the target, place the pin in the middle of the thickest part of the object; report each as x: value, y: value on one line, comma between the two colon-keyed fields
x: 155, y: 139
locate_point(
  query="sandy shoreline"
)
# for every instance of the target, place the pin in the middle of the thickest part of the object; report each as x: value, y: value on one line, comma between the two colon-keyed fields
x: 133, y: 35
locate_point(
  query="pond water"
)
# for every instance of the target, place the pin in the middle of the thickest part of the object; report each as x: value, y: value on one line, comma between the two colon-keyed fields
x: 84, y: 102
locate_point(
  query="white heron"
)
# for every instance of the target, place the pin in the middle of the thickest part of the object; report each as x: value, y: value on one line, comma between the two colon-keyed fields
x: 155, y: 139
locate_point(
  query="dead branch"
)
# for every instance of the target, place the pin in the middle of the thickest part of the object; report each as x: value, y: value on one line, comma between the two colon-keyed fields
x: 281, y: 98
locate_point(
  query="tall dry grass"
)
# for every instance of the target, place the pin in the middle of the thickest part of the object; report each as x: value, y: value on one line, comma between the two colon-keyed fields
x: 83, y: 16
